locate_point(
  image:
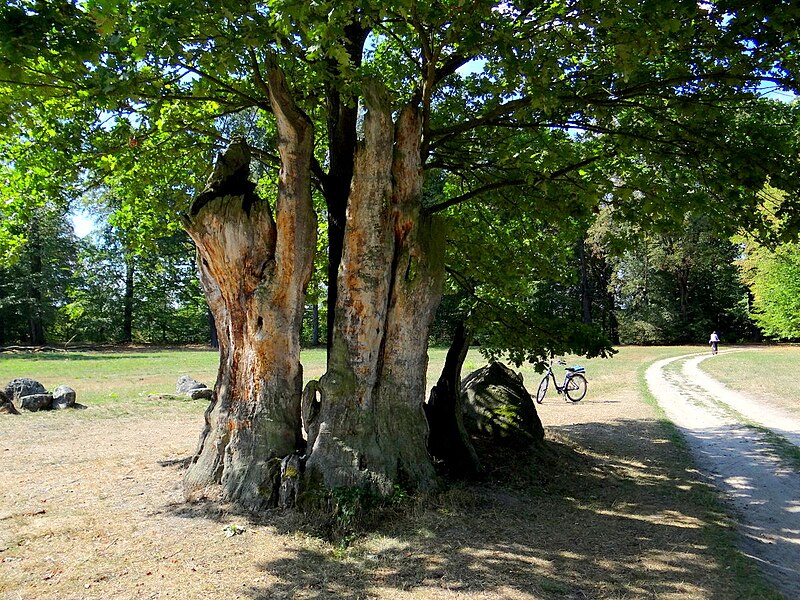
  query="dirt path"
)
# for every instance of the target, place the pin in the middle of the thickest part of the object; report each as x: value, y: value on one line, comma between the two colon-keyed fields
x: 740, y: 459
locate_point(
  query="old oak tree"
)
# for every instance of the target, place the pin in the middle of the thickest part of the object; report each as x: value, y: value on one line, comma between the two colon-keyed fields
x: 396, y: 129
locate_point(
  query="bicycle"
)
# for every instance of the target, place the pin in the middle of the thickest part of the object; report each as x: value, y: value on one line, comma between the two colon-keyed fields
x: 574, y: 385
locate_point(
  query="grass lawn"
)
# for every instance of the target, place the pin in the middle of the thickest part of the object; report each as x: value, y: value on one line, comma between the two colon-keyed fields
x: 114, y: 384
x: 768, y: 372
x: 91, y: 503
x: 101, y: 378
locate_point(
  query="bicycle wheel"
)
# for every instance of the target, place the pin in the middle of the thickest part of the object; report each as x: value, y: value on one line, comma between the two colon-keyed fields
x: 540, y: 393
x: 575, y: 387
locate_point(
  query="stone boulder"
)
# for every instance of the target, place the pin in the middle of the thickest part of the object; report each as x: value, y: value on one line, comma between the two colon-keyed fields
x: 495, y: 402
x: 6, y: 406
x: 186, y: 384
x: 17, y: 388
x: 64, y: 397
x: 201, y: 393
x: 8, y: 409
x: 36, y: 402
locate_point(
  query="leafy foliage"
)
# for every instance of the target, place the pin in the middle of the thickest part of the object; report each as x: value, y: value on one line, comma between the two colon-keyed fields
x: 774, y: 279
x: 33, y: 289
x: 772, y: 273
x: 534, y: 117
x: 73, y: 290
x: 677, y: 288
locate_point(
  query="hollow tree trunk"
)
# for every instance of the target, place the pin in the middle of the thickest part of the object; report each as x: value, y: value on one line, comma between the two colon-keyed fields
x: 254, y: 271
x: 449, y: 441
x: 342, y: 126
x: 364, y: 418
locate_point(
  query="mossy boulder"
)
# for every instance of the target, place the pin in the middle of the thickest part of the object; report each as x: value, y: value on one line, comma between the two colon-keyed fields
x: 496, y: 403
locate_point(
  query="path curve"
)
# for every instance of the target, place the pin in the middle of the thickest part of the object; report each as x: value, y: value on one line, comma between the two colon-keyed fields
x: 739, y: 460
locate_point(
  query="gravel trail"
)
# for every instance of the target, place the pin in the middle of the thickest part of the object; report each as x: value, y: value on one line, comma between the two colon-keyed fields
x: 740, y: 459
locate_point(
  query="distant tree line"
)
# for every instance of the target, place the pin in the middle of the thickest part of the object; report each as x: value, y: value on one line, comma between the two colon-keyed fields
x: 60, y: 288
x: 631, y: 287
x: 637, y: 286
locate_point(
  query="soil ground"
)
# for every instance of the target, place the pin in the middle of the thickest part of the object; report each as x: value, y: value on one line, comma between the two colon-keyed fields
x: 732, y: 438
x: 91, y: 506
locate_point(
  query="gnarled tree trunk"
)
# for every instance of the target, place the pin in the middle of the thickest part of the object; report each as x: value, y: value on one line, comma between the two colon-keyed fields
x: 364, y: 418
x: 255, y: 269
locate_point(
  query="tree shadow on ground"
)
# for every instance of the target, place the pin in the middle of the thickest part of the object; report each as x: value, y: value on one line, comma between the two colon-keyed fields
x: 627, y: 518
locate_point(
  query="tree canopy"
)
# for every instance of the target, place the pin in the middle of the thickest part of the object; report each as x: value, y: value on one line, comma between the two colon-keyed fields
x: 387, y: 118
x: 136, y: 93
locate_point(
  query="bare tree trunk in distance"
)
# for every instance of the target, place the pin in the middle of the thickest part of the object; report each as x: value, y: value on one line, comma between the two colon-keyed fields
x: 35, y: 283
x: 212, y: 329
x: 127, y: 309
x: 255, y: 269
x: 315, y: 324
x: 364, y: 418
x: 586, y: 291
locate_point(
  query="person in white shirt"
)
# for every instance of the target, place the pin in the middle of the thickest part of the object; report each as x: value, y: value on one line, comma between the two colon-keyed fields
x: 714, y: 341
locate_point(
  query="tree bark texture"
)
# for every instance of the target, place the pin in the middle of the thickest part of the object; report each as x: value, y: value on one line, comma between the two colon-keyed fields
x: 364, y: 418
x: 255, y: 269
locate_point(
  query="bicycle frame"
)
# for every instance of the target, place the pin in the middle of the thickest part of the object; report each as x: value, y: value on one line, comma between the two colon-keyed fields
x: 567, y: 375
x: 573, y: 386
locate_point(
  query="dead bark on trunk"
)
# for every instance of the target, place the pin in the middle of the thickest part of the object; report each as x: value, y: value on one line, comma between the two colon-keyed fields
x: 364, y: 418
x: 254, y: 271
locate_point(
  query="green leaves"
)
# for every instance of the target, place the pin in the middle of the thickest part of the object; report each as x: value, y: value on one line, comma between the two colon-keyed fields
x: 649, y: 107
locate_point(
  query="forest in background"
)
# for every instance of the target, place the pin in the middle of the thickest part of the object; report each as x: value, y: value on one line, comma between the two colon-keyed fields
x: 602, y: 240
x: 631, y: 286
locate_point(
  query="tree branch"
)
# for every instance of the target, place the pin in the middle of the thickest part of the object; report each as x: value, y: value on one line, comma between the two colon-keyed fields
x: 473, y: 193
x: 257, y: 72
x: 497, y: 185
x: 225, y: 86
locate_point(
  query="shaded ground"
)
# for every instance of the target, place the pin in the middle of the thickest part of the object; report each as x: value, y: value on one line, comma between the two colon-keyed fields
x: 732, y: 438
x: 91, y: 507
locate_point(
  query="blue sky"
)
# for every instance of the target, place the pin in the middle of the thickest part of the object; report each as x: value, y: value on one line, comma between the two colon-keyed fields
x: 82, y: 222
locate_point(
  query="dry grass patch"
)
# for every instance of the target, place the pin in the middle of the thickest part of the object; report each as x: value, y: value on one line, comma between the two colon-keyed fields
x: 93, y: 508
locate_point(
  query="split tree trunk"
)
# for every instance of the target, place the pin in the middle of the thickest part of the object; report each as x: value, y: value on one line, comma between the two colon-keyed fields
x: 449, y: 442
x: 255, y: 269
x: 364, y: 418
